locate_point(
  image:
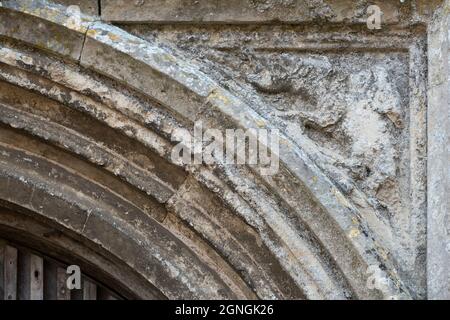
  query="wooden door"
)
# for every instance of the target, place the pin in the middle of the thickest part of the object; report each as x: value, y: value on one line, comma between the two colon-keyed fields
x: 29, y: 275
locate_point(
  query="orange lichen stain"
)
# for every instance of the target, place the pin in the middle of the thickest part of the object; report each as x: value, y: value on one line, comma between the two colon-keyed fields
x: 354, y: 233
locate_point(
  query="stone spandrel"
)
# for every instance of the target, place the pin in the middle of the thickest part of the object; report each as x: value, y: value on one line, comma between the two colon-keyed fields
x: 89, y: 7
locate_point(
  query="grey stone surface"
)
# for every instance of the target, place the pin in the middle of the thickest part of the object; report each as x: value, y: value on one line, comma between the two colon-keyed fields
x: 86, y: 6
x: 438, y: 258
x: 242, y: 11
x: 91, y: 109
x: 314, y: 90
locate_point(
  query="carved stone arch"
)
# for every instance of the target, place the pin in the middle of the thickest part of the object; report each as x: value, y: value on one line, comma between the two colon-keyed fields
x: 88, y: 112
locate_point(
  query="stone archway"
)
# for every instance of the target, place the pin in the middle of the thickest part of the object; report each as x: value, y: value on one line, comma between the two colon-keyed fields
x: 88, y: 112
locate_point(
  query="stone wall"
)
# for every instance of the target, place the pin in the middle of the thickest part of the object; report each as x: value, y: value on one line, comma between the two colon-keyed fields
x: 438, y: 156
x: 97, y: 98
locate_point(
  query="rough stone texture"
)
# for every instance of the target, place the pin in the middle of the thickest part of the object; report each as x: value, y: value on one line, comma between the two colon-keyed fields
x: 353, y: 111
x: 438, y: 157
x: 88, y: 111
x: 18, y: 25
x: 238, y: 11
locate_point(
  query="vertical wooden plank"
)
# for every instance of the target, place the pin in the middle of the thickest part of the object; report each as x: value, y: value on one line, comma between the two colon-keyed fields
x: 2, y: 268
x: 50, y: 281
x: 36, y: 278
x: 23, y: 275
x: 10, y: 278
x: 63, y: 293
x: 89, y: 290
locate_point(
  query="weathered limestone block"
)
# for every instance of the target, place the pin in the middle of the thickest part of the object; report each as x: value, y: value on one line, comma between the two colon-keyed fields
x: 346, y: 97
